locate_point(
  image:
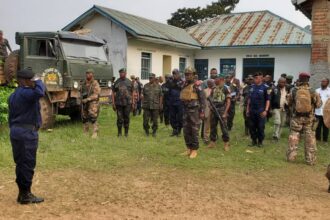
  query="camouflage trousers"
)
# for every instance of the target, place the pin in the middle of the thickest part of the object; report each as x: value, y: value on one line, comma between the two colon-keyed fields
x: 306, y: 126
x: 191, y: 124
x: 223, y: 126
x: 90, y: 112
x: 150, y: 115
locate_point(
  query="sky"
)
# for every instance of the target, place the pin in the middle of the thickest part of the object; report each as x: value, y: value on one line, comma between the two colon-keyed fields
x: 53, y: 15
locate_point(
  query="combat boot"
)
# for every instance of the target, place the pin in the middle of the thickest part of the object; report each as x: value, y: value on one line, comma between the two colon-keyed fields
x: 95, y: 130
x: 193, y: 154
x: 253, y: 144
x: 120, y: 132
x: 174, y: 133
x: 86, y: 127
x: 226, y: 146
x: 126, y: 132
x: 179, y: 132
x: 211, y: 145
x: 154, y: 133
x: 147, y: 132
x: 26, y: 197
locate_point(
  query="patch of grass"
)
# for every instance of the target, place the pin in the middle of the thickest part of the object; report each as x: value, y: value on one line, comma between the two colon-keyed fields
x: 67, y: 147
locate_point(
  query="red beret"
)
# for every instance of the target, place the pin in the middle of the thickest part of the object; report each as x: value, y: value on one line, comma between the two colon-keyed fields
x: 304, y: 75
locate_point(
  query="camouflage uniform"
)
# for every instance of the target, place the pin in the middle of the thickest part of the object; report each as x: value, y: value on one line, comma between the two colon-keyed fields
x: 193, y: 99
x: 219, y: 96
x: 245, y: 94
x: 122, y: 91
x: 303, y: 123
x: 152, y: 94
x: 233, y: 87
x: 90, y: 110
x: 3, y: 49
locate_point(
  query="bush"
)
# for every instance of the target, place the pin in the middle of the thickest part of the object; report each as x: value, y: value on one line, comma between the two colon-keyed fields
x: 4, y: 94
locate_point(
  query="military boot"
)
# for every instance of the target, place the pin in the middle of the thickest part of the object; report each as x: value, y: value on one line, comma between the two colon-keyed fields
x: 120, y: 132
x: 126, y: 132
x: 147, y: 132
x: 174, y: 133
x: 154, y: 133
x: 86, y: 127
x: 193, y: 154
x: 95, y: 130
x: 253, y: 144
x: 26, y: 197
x: 226, y: 146
x: 179, y: 132
x: 211, y: 145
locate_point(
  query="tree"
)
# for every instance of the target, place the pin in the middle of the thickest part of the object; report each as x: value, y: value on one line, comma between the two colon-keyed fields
x: 187, y: 17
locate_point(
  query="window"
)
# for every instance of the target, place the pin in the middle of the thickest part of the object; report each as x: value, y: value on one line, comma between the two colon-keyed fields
x: 145, y: 65
x: 79, y: 50
x: 182, y: 64
x: 227, y: 66
x: 41, y: 47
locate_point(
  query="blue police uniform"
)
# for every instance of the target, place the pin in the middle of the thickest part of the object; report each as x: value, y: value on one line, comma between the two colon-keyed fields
x: 258, y: 96
x: 176, y: 107
x: 24, y: 122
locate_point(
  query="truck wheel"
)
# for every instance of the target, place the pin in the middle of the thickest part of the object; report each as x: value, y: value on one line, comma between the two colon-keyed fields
x: 11, y: 66
x: 47, y: 116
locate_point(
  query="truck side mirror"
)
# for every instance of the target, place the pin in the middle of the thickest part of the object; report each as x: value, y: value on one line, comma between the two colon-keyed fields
x: 52, y: 49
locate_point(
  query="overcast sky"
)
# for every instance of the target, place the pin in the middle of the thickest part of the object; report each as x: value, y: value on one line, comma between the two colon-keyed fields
x: 52, y: 15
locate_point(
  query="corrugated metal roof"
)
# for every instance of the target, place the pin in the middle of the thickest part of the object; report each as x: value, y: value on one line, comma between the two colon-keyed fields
x: 261, y: 28
x: 138, y: 26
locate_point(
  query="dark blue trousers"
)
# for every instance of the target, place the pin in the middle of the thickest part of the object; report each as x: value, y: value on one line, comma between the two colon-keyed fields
x: 257, y: 127
x: 176, y: 116
x: 24, y: 145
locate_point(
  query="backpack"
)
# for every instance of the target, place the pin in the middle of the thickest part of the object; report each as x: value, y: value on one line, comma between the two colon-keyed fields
x: 303, y: 100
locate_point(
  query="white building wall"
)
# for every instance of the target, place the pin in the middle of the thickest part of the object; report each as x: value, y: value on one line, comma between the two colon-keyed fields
x: 287, y: 60
x: 136, y: 47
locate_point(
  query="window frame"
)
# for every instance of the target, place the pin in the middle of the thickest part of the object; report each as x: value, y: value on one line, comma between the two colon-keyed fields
x: 146, y: 70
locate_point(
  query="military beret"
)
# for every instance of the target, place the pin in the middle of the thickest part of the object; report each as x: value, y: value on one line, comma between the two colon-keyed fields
x: 122, y: 70
x: 289, y: 77
x: 152, y: 75
x: 190, y: 70
x: 221, y: 75
x: 25, y: 73
x: 257, y: 74
x: 304, y: 75
x: 90, y: 71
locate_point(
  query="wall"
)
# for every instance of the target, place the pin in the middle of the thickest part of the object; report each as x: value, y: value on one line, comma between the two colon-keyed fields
x: 136, y: 47
x: 116, y: 40
x: 287, y: 60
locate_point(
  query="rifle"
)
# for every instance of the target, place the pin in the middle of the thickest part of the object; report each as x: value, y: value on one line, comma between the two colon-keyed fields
x: 215, y: 110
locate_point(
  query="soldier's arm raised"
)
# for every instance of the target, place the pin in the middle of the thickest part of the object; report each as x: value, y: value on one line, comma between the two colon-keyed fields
x: 35, y: 93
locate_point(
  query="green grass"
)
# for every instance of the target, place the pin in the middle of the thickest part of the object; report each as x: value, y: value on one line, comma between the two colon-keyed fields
x: 67, y: 147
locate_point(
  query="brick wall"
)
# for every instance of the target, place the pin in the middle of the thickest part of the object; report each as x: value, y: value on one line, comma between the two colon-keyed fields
x: 321, y: 45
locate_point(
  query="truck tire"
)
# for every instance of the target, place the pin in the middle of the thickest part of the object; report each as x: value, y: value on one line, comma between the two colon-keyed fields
x: 11, y: 66
x: 46, y: 111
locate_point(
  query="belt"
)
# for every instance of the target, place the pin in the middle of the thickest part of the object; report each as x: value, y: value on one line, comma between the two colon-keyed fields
x: 26, y: 126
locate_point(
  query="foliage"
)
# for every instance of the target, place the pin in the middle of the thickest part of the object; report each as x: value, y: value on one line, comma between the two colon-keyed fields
x: 4, y: 94
x: 187, y: 17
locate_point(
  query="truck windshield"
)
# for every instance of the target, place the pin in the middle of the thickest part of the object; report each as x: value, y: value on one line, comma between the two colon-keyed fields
x: 77, y: 50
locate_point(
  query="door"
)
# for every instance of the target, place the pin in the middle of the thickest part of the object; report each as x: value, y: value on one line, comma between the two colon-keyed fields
x: 167, y: 64
x: 202, y: 68
x: 253, y: 65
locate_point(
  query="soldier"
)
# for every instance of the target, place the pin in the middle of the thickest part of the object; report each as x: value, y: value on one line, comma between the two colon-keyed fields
x: 303, y: 100
x: 166, y: 99
x: 233, y: 87
x: 176, y: 108
x: 136, y: 95
x: 193, y: 100
x: 279, y: 106
x: 24, y: 123
x: 289, y: 86
x: 140, y: 88
x: 257, y: 108
x: 245, y: 94
x: 220, y: 98
x: 152, y: 103
x: 90, y: 91
x: 122, y: 100
x: 4, y: 44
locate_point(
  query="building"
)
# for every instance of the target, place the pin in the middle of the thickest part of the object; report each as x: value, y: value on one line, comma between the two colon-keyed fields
x: 318, y: 12
x: 241, y: 43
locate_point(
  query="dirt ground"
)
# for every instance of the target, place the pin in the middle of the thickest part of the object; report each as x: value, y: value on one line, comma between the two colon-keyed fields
x: 157, y: 193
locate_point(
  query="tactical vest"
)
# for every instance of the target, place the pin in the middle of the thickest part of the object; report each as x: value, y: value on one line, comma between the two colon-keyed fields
x: 218, y: 95
x: 188, y: 93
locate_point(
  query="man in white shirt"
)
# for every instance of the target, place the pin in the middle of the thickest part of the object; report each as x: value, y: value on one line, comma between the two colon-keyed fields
x: 322, y: 130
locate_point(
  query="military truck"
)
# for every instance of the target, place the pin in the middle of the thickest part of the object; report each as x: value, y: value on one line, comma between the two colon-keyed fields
x: 61, y: 60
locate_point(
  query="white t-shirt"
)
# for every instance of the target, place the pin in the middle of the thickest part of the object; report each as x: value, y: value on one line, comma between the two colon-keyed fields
x: 325, y: 95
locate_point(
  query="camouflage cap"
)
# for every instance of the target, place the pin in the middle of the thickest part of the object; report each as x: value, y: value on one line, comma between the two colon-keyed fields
x: 152, y: 75
x: 289, y: 77
x: 221, y: 76
x: 190, y: 70
x: 89, y: 71
x: 122, y: 70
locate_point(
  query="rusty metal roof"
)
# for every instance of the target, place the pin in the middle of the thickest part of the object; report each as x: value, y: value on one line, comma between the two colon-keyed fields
x: 139, y: 27
x: 261, y: 28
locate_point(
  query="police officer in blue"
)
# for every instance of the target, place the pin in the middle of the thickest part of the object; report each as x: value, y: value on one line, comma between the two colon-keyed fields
x: 24, y: 122
x: 176, y: 106
x: 257, y: 109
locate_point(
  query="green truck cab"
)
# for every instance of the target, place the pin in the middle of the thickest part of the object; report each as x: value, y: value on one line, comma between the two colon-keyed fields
x: 61, y: 60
